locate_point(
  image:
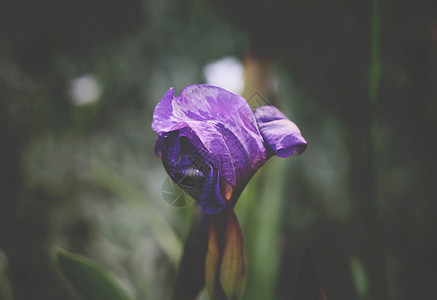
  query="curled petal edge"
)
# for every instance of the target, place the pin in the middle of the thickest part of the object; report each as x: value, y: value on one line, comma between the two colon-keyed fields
x: 281, y: 136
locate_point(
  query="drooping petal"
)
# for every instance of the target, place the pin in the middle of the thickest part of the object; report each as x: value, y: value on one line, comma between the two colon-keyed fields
x: 211, y: 199
x: 280, y: 134
x: 194, y: 173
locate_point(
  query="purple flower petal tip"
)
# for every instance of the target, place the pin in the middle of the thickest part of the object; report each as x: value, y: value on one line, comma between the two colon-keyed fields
x: 281, y: 135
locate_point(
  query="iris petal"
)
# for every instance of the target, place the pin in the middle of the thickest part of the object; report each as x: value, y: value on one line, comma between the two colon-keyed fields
x: 222, y: 122
x: 281, y: 135
x: 211, y: 200
x: 194, y: 173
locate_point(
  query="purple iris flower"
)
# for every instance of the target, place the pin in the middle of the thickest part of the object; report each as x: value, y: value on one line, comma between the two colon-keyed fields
x: 211, y: 143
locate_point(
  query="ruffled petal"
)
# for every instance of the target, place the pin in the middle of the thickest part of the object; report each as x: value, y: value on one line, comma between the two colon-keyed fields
x: 163, y: 113
x: 222, y: 122
x: 280, y: 134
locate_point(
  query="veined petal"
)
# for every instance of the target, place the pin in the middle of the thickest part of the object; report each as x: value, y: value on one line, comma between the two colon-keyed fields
x: 222, y: 121
x: 280, y: 134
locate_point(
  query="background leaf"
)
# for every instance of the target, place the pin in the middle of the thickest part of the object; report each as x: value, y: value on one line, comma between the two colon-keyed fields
x: 89, y: 278
x: 233, y: 269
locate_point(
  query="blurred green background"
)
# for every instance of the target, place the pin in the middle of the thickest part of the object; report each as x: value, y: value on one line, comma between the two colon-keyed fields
x: 78, y: 84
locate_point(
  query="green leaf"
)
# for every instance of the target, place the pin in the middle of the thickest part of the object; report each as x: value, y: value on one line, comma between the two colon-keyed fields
x: 226, y: 263
x: 264, y: 227
x: 233, y: 269
x: 89, y: 279
x: 360, y: 277
x: 212, y: 266
x: 375, y: 53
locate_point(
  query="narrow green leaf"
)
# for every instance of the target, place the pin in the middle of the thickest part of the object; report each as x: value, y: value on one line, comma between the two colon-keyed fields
x: 212, y: 264
x: 233, y: 270
x: 190, y: 278
x: 375, y: 53
x: 360, y: 277
x: 89, y: 279
x: 264, y: 257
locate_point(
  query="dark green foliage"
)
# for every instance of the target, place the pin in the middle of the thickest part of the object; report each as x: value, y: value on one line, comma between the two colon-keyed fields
x: 90, y: 280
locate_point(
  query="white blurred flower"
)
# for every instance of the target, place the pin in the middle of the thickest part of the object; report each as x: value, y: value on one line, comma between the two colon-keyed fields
x: 227, y: 73
x: 85, y: 89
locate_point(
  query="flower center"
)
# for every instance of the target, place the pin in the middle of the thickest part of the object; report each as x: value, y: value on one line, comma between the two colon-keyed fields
x: 191, y: 180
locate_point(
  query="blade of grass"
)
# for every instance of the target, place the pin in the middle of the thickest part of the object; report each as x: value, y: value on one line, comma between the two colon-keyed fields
x: 375, y: 53
x: 368, y: 268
